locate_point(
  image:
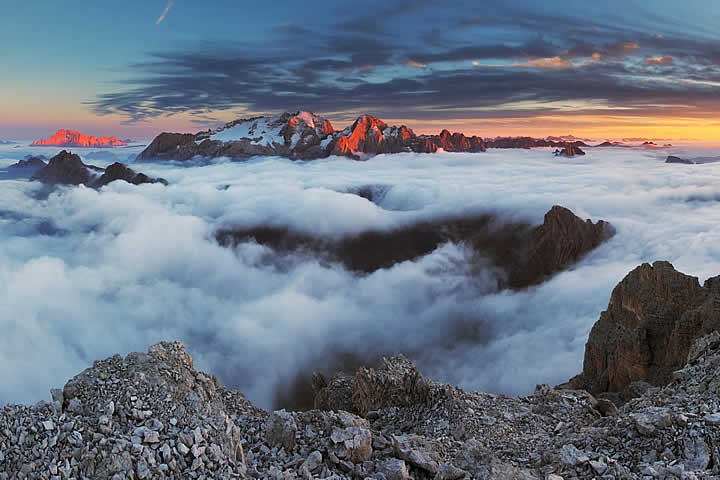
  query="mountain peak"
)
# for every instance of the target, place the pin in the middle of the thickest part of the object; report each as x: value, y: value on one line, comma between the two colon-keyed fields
x: 73, y: 138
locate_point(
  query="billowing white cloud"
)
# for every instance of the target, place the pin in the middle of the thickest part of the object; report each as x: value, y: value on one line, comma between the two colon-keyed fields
x: 86, y: 274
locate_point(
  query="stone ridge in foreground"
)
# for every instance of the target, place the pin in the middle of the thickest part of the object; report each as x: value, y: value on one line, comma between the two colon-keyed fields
x: 152, y: 415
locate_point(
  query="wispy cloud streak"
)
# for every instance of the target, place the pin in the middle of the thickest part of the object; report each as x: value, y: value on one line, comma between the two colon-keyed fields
x: 169, y: 5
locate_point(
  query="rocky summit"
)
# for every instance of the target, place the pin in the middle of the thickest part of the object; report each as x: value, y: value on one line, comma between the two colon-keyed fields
x: 153, y: 416
x: 67, y: 168
x: 654, y: 317
x: 72, y: 138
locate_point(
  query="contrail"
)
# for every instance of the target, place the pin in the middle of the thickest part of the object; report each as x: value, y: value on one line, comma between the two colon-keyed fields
x: 169, y: 5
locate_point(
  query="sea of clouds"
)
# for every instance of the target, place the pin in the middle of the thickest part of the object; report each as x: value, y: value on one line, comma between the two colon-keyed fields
x: 86, y: 274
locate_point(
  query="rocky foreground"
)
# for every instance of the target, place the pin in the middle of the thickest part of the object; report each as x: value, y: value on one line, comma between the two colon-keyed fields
x: 152, y: 415
x: 305, y: 136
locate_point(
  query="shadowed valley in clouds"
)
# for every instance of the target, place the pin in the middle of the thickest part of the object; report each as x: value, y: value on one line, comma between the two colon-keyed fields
x: 143, y: 262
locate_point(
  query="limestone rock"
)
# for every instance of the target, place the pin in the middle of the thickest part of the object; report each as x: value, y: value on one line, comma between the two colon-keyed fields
x: 654, y: 316
x: 354, y: 443
x: 561, y: 240
x: 419, y: 452
x: 280, y: 429
x: 394, y: 469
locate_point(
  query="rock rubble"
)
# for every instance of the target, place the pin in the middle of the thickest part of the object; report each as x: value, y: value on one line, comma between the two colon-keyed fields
x: 152, y: 415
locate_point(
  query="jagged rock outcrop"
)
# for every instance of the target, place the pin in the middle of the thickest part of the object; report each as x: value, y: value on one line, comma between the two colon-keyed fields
x: 72, y: 138
x: 396, y: 383
x: 152, y: 415
x: 654, y: 316
x: 67, y: 168
x: 120, y: 171
x: 369, y: 135
x: 527, y: 254
x: 569, y: 151
x: 561, y: 240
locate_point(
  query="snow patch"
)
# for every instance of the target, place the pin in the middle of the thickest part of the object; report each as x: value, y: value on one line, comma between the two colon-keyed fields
x: 307, y: 118
x: 259, y: 132
x: 325, y: 143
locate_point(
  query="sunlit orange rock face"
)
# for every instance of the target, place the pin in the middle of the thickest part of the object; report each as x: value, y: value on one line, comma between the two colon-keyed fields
x: 457, y: 142
x: 371, y: 135
x: 309, y: 119
x: 72, y: 138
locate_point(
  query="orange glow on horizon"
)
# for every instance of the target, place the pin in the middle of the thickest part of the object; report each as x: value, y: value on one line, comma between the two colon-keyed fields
x: 46, y: 120
x: 706, y: 131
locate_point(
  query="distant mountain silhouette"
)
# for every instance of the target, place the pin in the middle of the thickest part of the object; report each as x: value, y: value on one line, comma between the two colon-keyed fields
x: 72, y: 138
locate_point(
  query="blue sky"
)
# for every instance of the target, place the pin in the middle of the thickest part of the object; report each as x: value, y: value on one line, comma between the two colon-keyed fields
x: 487, y: 66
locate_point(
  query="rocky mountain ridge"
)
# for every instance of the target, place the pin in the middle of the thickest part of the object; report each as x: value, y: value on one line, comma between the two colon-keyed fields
x: 67, y: 168
x: 73, y: 138
x: 528, y: 254
x: 303, y: 135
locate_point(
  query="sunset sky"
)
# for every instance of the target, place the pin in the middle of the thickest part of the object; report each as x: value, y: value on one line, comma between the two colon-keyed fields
x: 610, y: 69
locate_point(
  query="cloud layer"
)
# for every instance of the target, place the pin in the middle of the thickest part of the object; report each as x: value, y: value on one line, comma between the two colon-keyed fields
x: 86, y: 274
x: 427, y: 60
